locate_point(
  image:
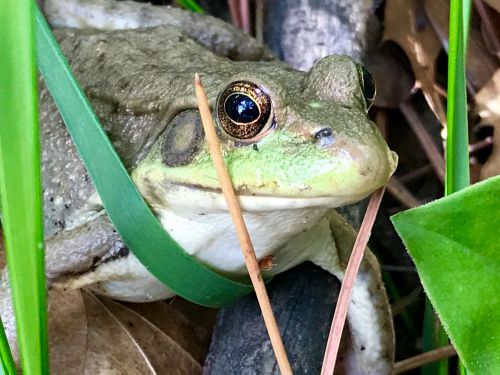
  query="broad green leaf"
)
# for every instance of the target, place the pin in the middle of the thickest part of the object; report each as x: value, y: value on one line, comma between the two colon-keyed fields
x: 454, y: 244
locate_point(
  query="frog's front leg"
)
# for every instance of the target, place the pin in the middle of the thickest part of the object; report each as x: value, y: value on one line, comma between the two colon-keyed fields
x: 74, y: 251
x: 67, y: 253
x: 369, y: 318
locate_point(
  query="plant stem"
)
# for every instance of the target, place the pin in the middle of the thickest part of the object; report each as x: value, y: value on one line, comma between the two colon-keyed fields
x: 20, y: 182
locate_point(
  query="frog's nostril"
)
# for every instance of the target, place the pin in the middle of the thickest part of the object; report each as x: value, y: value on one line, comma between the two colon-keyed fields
x: 324, y: 136
x: 325, y: 132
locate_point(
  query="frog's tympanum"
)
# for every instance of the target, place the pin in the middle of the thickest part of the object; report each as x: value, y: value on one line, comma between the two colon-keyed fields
x: 296, y: 145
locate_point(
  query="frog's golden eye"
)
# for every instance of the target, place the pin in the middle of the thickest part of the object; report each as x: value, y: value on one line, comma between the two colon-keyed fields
x: 245, y: 111
x: 368, y: 85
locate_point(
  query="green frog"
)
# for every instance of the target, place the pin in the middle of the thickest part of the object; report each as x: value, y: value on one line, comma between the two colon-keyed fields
x: 296, y: 145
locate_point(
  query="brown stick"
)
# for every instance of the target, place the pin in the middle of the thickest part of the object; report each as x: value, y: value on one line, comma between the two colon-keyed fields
x: 241, y: 229
x: 234, y: 11
x: 401, y: 193
x: 259, y: 21
x: 424, y: 138
x: 332, y: 346
x: 245, y: 16
x: 424, y: 358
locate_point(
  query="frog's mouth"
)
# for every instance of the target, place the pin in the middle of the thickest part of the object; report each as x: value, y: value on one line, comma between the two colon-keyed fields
x: 184, y: 197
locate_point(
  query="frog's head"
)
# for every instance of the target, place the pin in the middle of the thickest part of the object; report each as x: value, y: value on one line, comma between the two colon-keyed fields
x: 289, y: 139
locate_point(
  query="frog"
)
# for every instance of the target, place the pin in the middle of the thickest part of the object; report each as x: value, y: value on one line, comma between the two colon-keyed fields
x: 296, y: 145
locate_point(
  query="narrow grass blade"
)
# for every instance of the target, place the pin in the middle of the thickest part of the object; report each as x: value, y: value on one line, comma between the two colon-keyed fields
x: 457, y: 143
x: 191, y: 5
x: 8, y: 366
x: 457, y: 154
x: 20, y: 185
x: 129, y: 213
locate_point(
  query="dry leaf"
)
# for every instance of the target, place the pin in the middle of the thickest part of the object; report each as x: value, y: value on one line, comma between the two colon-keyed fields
x: 495, y: 4
x: 110, y: 348
x: 490, y: 26
x: 191, y: 337
x: 406, y: 25
x: 164, y: 354
x: 488, y: 109
x: 488, y: 99
x: 480, y: 62
x: 67, y: 332
x: 97, y: 336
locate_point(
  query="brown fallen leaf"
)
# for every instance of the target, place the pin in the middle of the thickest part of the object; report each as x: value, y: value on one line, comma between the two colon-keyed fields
x: 96, y: 336
x: 495, y: 4
x: 481, y: 62
x: 488, y: 108
x: 110, y: 348
x: 191, y: 337
x: 490, y: 26
x: 406, y: 24
x: 67, y: 332
x: 165, y: 355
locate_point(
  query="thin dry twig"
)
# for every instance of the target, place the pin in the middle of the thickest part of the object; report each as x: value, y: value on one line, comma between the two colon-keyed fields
x: 415, y: 174
x: 241, y: 229
x: 401, y: 193
x: 245, y: 15
x: 480, y: 145
x: 424, y: 358
x: 402, y: 303
x: 332, y: 346
x: 259, y: 20
x: 488, y: 25
x: 234, y: 11
x: 424, y: 139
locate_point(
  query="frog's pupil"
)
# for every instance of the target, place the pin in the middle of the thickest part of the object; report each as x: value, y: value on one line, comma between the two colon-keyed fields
x: 369, y: 89
x: 241, y: 108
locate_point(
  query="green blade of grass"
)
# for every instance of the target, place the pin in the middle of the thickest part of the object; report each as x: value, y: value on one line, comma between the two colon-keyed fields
x: 457, y: 152
x: 457, y: 143
x: 8, y: 367
x: 129, y: 213
x: 20, y: 185
x: 457, y: 148
x: 191, y: 5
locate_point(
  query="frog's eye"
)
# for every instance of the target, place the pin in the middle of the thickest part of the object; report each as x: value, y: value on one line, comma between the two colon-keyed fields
x: 245, y: 111
x: 368, y: 85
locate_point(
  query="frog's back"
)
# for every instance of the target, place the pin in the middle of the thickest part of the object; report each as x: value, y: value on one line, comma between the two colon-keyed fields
x: 137, y: 69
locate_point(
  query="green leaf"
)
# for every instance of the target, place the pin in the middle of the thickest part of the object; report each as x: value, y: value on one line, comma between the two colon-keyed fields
x: 457, y: 142
x: 20, y: 185
x: 130, y: 215
x: 454, y: 244
x: 192, y: 5
x: 8, y: 367
x: 457, y: 152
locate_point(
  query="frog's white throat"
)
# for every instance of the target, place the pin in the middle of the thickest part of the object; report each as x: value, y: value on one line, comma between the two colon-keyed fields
x: 211, y: 237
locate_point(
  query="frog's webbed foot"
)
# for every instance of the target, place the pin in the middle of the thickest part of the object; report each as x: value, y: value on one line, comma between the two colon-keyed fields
x: 369, y: 318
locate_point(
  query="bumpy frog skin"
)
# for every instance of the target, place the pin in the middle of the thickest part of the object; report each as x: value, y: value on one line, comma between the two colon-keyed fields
x: 321, y: 152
